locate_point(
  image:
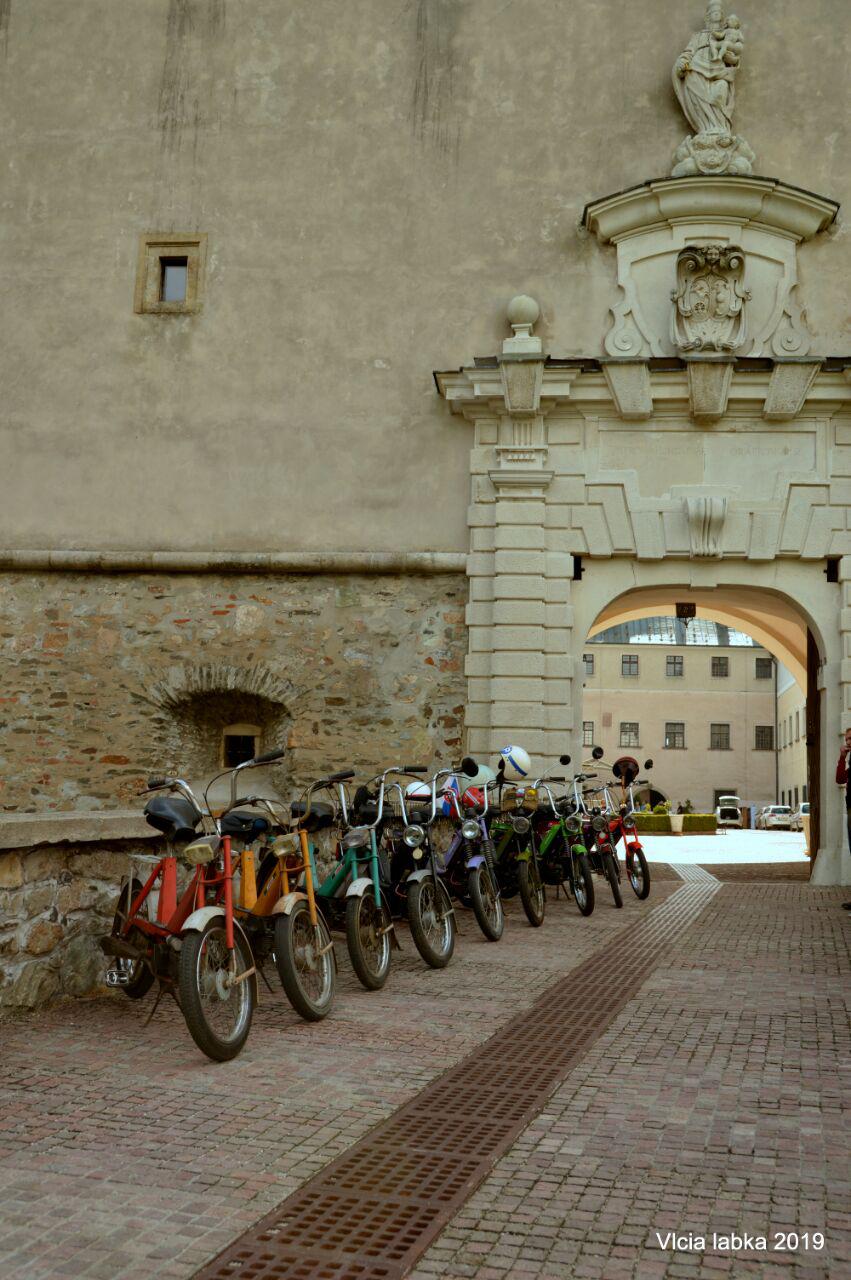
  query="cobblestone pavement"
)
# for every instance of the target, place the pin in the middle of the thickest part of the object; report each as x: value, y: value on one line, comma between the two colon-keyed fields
x: 712, y: 1104
x: 124, y: 1153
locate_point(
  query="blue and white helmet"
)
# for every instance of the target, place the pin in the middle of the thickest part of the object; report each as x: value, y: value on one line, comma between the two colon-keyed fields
x: 517, y: 762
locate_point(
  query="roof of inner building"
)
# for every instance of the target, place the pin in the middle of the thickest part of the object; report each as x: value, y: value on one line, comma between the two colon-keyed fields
x: 674, y: 631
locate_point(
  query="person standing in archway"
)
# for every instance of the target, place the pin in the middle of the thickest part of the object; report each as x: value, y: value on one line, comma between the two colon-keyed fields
x: 842, y: 776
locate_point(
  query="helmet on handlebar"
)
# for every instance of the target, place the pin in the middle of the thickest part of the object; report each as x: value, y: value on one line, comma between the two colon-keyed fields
x: 517, y: 762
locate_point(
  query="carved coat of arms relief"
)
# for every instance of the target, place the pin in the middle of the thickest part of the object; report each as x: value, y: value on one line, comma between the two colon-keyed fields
x: 709, y: 300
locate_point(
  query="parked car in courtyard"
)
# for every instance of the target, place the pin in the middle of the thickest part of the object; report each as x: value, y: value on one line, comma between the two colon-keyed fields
x: 802, y: 811
x: 774, y: 817
x: 728, y: 811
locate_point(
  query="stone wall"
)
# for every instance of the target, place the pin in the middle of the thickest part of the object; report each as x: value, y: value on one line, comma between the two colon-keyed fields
x: 54, y: 901
x: 108, y: 678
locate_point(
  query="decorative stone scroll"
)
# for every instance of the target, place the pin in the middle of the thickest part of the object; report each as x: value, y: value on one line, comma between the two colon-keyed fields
x: 709, y: 300
x: 705, y: 517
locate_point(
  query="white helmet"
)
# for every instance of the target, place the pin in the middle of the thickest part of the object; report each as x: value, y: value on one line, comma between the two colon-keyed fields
x: 418, y: 791
x: 517, y: 762
x: 484, y: 774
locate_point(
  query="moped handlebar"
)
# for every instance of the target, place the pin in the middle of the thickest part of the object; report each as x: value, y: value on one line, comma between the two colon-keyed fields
x: 267, y: 758
x: 156, y: 784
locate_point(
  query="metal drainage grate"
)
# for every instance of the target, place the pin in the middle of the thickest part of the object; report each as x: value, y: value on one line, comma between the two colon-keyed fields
x: 375, y: 1209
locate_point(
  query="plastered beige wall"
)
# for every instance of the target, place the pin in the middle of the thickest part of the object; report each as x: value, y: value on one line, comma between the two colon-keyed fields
x: 376, y: 181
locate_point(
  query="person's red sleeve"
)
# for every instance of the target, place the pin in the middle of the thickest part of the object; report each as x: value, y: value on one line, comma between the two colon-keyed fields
x: 842, y: 770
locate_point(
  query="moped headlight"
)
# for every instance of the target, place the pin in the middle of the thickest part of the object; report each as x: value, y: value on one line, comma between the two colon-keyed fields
x: 520, y: 824
x: 572, y: 825
x: 470, y: 830
x: 413, y: 836
x: 599, y: 823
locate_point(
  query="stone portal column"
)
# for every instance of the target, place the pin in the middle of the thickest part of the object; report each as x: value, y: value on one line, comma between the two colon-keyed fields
x: 519, y: 613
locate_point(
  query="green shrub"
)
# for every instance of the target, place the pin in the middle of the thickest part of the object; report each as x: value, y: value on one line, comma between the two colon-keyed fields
x: 700, y: 822
x: 650, y: 822
x: 664, y: 806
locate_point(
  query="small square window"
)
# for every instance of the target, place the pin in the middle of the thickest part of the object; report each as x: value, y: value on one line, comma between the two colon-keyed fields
x: 675, y: 735
x: 629, y: 733
x: 629, y: 664
x: 587, y: 733
x: 763, y: 737
x: 764, y: 668
x: 720, y: 666
x: 673, y: 664
x: 170, y: 274
x: 719, y: 737
x: 588, y: 660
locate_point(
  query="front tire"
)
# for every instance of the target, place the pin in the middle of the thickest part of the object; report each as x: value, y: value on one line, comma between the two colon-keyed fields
x: 639, y: 874
x: 583, y: 886
x: 432, y: 921
x: 487, y: 904
x: 611, y: 873
x: 218, y: 1011
x: 368, y: 939
x: 305, y: 962
x: 533, y: 895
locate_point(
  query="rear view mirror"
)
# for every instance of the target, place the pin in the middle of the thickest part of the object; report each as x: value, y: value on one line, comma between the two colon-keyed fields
x: 469, y: 767
x: 648, y: 764
x: 564, y: 759
x: 597, y: 753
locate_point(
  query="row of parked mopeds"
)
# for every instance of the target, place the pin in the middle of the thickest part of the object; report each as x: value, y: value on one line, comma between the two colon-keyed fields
x: 256, y: 885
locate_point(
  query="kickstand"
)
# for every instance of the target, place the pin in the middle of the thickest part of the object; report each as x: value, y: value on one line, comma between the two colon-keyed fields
x: 262, y: 973
x: 162, y: 988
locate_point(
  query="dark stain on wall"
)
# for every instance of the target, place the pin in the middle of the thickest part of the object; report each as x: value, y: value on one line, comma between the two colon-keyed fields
x: 193, y: 28
x: 433, y: 109
x: 5, y: 15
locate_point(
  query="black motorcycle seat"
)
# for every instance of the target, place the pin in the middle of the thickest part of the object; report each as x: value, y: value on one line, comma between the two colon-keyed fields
x: 173, y: 815
x: 241, y: 825
x: 420, y: 816
x: 320, y: 816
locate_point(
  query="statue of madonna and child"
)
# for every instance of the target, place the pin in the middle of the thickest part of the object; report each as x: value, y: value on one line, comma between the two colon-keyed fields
x: 704, y: 77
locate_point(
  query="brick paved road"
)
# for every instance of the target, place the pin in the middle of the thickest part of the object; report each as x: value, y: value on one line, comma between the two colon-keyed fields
x: 124, y: 1152
x: 714, y: 1102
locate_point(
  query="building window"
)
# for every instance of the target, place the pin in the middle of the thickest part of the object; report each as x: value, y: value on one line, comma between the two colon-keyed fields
x: 804, y: 793
x: 764, y: 668
x: 675, y: 735
x: 790, y: 729
x: 673, y: 664
x: 782, y: 734
x: 587, y: 733
x: 719, y: 737
x: 588, y: 661
x: 795, y: 801
x: 720, y: 666
x: 240, y: 742
x: 629, y: 664
x: 170, y: 274
x: 629, y: 733
x: 763, y: 737
x: 797, y: 726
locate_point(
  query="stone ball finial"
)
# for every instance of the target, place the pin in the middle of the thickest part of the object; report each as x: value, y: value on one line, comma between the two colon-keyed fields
x: 522, y: 310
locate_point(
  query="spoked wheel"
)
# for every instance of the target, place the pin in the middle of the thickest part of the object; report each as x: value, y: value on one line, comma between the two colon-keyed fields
x: 639, y: 873
x: 487, y: 904
x: 533, y: 895
x: 216, y: 999
x: 134, y: 976
x: 368, y: 939
x: 432, y: 921
x: 304, y: 959
x: 583, y: 886
x: 611, y: 873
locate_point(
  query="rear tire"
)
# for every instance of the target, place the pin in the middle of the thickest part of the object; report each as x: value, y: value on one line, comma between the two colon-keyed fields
x: 369, y: 945
x: 432, y: 921
x: 533, y: 895
x: 611, y: 873
x: 638, y: 873
x: 141, y: 977
x: 487, y: 904
x: 218, y: 1015
x: 307, y: 977
x: 583, y: 889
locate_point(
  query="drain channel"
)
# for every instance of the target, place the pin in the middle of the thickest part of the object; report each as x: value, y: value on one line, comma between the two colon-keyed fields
x: 373, y: 1211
